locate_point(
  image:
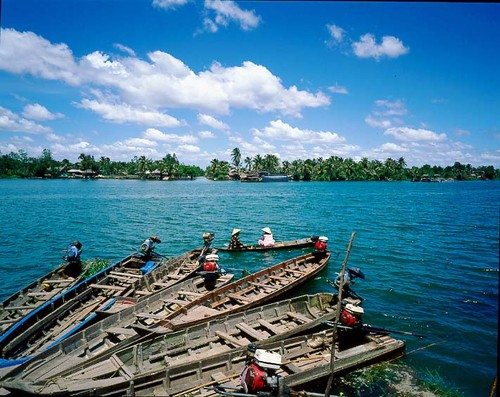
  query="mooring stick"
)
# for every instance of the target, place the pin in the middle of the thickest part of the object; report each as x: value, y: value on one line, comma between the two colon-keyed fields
x: 337, y: 317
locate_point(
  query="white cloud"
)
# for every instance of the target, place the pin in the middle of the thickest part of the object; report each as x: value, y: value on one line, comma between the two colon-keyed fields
x: 11, y: 122
x: 411, y: 134
x: 189, y: 149
x: 206, y: 134
x: 123, y: 113
x: 26, y: 52
x: 125, y: 49
x: 336, y: 89
x: 161, y: 82
x: 205, y: 119
x: 156, y: 135
x: 140, y: 142
x: 169, y: 4
x: 228, y: 11
x: 336, y: 32
x: 39, y: 112
x: 390, y: 108
x: 390, y: 47
x: 377, y: 123
x: 278, y: 130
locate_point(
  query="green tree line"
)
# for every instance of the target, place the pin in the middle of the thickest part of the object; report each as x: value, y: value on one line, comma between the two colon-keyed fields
x: 20, y: 165
x: 336, y: 168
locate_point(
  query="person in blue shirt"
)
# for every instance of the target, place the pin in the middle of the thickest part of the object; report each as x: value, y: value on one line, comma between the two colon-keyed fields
x: 73, y: 267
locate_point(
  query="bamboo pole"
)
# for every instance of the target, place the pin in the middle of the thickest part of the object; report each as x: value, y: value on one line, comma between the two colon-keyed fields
x: 337, y: 316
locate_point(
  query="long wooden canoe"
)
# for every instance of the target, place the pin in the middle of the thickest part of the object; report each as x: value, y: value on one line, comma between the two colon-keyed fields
x: 76, y: 308
x: 280, y: 245
x: 34, y: 295
x: 51, y: 370
x: 253, y: 290
x: 304, y: 359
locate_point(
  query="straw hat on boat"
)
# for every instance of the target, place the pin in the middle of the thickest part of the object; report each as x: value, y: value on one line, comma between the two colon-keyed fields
x: 267, y: 230
x: 235, y: 231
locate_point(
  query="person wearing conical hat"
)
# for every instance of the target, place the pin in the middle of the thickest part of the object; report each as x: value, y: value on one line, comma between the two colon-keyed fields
x: 267, y: 239
x: 235, y: 242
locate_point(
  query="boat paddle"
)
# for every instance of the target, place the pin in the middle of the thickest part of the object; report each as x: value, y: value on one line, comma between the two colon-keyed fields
x: 377, y: 330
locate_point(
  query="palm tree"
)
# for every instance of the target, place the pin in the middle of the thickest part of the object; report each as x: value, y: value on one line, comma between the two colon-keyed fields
x: 236, y: 157
x: 248, y: 163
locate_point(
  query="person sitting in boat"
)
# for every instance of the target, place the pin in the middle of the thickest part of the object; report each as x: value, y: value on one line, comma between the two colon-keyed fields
x: 267, y: 239
x: 148, y: 245
x: 73, y: 267
x: 235, y: 242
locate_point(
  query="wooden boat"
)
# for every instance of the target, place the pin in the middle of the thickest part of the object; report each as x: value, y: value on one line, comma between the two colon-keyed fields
x: 253, y: 290
x: 34, y: 295
x: 83, y: 370
x: 77, y: 307
x: 281, y: 245
x: 180, y: 308
x: 304, y: 359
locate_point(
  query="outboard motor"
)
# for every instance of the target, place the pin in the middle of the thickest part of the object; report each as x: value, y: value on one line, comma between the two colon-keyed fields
x: 259, y: 375
x: 349, y: 278
x: 351, y: 315
x: 321, y: 244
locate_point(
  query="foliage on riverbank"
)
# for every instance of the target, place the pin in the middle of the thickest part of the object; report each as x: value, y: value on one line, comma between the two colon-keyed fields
x: 336, y: 168
x: 20, y: 165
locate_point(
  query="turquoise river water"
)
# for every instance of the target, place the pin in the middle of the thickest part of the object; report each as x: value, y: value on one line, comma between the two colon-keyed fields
x: 430, y: 251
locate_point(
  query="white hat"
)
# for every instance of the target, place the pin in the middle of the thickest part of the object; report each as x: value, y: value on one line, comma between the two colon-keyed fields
x: 356, y: 310
x: 212, y: 257
x: 235, y: 231
x: 323, y: 238
x: 267, y: 230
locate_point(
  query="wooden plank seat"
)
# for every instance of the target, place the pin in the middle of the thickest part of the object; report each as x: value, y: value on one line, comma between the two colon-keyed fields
x: 28, y: 307
x: 246, y: 329
x: 9, y: 321
x: 123, y: 278
x: 270, y: 327
x: 261, y: 285
x: 105, y: 286
x: 115, y: 273
x: 229, y: 338
x: 37, y: 294
x: 58, y: 281
x: 298, y: 316
x: 280, y: 278
x: 293, y: 271
x: 240, y: 298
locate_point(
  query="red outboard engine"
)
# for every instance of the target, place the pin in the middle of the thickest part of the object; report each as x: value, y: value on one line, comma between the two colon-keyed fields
x: 321, y: 244
x: 351, y: 315
x: 259, y: 375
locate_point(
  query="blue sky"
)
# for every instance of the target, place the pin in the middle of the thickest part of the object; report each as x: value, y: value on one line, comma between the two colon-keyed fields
x: 125, y: 78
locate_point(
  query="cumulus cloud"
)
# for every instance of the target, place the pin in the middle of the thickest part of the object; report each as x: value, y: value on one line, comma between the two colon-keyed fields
x: 39, y: 112
x: 228, y: 11
x: 188, y: 149
x: 278, y: 130
x: 156, y: 135
x: 26, y: 52
x: 11, y: 122
x: 205, y: 119
x: 160, y: 82
x: 411, y: 134
x: 123, y: 113
x: 390, y: 47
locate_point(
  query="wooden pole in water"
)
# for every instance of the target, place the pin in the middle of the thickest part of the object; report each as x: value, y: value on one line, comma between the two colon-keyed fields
x: 337, y: 317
